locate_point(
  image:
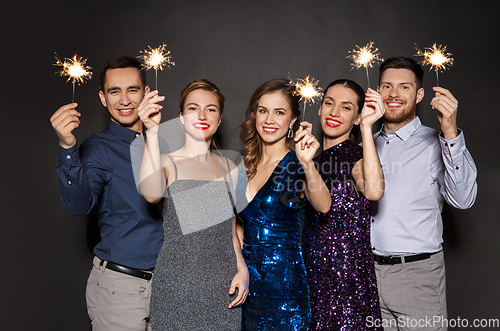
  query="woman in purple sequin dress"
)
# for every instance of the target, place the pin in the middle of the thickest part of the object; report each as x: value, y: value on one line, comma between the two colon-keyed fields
x: 336, y: 245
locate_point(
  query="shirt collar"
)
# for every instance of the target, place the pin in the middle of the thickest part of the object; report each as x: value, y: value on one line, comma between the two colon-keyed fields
x: 406, y: 131
x: 122, y: 132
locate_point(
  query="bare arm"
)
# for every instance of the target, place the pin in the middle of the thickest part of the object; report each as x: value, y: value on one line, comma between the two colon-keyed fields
x: 368, y: 172
x: 316, y: 191
x: 152, y: 182
x: 242, y: 278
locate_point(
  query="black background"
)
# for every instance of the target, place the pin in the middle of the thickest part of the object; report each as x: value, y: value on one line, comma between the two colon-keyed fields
x: 238, y: 45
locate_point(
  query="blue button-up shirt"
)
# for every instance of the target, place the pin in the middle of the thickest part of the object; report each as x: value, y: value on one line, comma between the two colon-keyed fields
x: 421, y: 170
x: 99, y: 176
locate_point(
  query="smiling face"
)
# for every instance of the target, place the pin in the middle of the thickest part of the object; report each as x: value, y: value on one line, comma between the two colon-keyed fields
x: 123, y: 92
x: 201, y: 114
x: 339, y: 113
x: 273, y: 117
x: 398, y: 88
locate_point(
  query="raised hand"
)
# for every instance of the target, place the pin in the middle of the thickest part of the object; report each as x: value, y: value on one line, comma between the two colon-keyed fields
x: 373, y: 109
x: 306, y: 143
x: 64, y: 121
x: 446, y: 105
x: 149, y: 110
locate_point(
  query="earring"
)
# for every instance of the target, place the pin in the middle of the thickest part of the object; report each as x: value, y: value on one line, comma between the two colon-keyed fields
x: 290, y: 133
x: 319, y: 112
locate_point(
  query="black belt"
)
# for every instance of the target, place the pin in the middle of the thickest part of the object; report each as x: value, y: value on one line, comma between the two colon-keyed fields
x: 397, y: 259
x: 128, y: 271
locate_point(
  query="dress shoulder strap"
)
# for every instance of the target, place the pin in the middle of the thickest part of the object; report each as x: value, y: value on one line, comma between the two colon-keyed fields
x: 175, y: 166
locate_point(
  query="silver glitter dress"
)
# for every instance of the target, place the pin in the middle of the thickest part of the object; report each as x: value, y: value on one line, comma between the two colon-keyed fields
x: 197, y: 262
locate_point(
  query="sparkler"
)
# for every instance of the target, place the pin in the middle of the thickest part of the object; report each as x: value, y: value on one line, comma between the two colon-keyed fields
x: 436, y: 57
x: 308, y: 91
x: 365, y: 57
x: 156, y: 58
x: 76, y: 70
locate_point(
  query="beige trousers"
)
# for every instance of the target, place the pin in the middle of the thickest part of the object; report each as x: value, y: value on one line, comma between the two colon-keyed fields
x: 116, y: 301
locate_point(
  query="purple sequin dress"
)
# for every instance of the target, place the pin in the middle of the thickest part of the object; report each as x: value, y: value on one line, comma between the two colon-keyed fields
x: 337, y: 252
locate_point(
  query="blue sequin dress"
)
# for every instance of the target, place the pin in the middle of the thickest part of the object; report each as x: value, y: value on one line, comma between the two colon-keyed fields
x: 337, y: 249
x: 272, y: 223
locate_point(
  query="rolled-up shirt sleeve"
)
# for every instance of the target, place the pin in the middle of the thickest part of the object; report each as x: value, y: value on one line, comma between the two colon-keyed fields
x: 457, y: 181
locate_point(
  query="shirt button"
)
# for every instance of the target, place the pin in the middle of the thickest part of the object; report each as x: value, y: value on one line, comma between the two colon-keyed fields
x: 68, y: 157
x: 446, y: 144
x: 373, y: 248
x: 457, y: 167
x: 451, y: 145
x: 387, y: 142
x: 69, y: 182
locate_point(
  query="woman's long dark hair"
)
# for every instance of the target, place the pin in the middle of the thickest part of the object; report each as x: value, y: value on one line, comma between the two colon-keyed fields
x: 358, y: 90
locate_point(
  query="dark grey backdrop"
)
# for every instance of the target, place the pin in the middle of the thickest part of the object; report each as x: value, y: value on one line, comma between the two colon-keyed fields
x: 237, y: 45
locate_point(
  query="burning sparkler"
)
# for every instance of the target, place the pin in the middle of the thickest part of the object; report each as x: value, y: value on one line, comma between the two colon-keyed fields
x: 308, y: 91
x: 156, y: 58
x: 436, y: 57
x: 76, y: 70
x: 365, y: 57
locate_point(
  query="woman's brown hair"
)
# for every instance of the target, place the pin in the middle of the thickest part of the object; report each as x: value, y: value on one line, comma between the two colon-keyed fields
x: 249, y: 137
x: 207, y: 86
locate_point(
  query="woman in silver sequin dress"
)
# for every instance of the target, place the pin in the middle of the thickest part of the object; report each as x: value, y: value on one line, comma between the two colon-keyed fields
x: 200, y: 279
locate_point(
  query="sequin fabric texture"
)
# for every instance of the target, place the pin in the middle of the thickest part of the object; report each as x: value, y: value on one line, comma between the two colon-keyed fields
x: 337, y: 250
x: 194, y: 270
x: 272, y: 223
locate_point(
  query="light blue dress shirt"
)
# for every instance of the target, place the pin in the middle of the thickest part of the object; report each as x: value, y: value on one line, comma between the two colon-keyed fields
x: 421, y: 170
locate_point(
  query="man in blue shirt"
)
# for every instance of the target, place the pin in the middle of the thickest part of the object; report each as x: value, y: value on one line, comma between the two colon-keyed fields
x: 98, y: 176
x: 422, y: 169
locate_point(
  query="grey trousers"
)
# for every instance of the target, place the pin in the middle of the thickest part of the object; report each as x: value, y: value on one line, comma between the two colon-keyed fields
x: 413, y: 294
x: 116, y: 301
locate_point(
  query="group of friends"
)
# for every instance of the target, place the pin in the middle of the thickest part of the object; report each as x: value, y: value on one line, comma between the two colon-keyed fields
x: 282, y: 238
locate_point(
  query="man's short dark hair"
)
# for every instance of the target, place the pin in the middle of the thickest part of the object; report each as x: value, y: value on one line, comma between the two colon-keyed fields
x: 400, y: 62
x: 122, y: 62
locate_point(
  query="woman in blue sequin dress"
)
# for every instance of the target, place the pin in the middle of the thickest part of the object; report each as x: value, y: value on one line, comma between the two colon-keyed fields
x: 278, y: 184
x: 337, y: 249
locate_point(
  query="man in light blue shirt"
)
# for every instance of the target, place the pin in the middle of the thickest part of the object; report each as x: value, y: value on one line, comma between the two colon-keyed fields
x: 422, y: 168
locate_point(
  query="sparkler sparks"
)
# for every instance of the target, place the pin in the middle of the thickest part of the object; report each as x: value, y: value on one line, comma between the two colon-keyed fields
x: 157, y: 58
x: 365, y: 57
x: 75, y: 68
x: 308, y: 91
x: 435, y: 56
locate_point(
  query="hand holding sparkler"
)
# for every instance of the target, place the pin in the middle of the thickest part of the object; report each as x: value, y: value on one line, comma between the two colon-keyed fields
x: 372, y: 111
x: 64, y: 121
x: 446, y: 105
x: 365, y: 57
x: 149, y: 111
x: 436, y: 57
x: 308, y: 91
x: 156, y: 59
x: 76, y: 70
